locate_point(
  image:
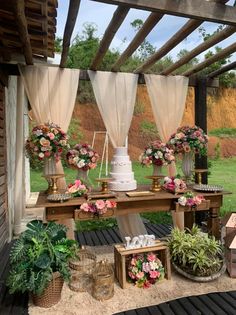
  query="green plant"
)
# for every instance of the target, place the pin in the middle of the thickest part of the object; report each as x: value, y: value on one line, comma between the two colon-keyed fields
x: 139, y: 108
x: 223, y: 132
x: 217, y: 150
x: 195, y: 253
x: 39, y: 252
x: 148, y: 128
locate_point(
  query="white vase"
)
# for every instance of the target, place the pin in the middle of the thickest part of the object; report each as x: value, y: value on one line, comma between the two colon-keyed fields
x: 187, y: 165
x: 157, y: 170
x: 49, y: 166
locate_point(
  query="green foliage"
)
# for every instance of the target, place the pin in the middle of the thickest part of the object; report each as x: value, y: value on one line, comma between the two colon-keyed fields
x: 139, y: 108
x: 188, y: 65
x: 217, y: 150
x: 39, y: 252
x: 58, y: 44
x: 223, y: 132
x: 195, y: 252
x: 148, y: 128
x: 91, y: 225
x: 74, y: 133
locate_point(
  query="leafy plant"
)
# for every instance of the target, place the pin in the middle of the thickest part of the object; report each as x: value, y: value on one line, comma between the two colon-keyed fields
x: 39, y: 252
x: 194, y: 252
x: 148, y: 128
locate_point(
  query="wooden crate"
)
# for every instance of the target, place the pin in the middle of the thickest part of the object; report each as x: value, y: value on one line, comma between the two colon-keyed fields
x: 122, y: 255
x: 205, y: 205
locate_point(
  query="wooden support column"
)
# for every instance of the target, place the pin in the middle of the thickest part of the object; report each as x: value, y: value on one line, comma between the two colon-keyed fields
x: 201, y: 121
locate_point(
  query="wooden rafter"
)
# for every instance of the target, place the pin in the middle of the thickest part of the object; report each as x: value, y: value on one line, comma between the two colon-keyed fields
x: 19, y: 10
x: 195, y: 9
x: 148, y: 25
x: 220, y: 55
x: 44, y: 10
x: 226, y: 32
x: 117, y: 19
x: 70, y: 24
x: 187, y: 29
x: 224, y: 69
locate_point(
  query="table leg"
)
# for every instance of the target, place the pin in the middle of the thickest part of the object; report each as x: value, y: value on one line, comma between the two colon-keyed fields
x: 213, y: 223
x: 70, y: 224
x: 188, y: 219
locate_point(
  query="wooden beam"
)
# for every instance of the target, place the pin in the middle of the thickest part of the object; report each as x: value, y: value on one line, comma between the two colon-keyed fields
x: 116, y: 21
x: 3, y: 77
x: 222, y: 54
x: 70, y: 24
x: 195, y: 9
x: 224, y: 69
x: 148, y: 25
x: 44, y: 10
x: 187, y: 29
x: 226, y: 32
x: 19, y: 11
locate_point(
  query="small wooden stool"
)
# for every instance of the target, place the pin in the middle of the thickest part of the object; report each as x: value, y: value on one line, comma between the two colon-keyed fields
x: 121, y: 254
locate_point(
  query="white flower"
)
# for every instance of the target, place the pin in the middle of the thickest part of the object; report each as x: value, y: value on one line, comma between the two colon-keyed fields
x: 167, y: 180
x: 153, y: 265
x: 41, y: 155
x: 182, y: 201
x: 38, y: 132
x: 177, y: 181
x: 148, y: 151
x: 172, y: 141
x: 76, y: 159
x: 81, y: 164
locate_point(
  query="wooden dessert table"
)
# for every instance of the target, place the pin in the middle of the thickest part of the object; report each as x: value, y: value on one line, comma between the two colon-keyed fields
x: 159, y: 201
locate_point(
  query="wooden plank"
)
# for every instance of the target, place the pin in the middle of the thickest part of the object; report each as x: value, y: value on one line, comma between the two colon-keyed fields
x: 88, y: 238
x: 19, y: 11
x: 2, y: 207
x: 228, y: 298
x: 101, y: 238
x: 2, y: 180
x: 80, y: 238
x: 142, y: 311
x: 185, y: 30
x: 165, y: 309
x: 195, y: 9
x: 217, y: 299
x: 224, y: 69
x: 189, y: 308
x: 69, y: 27
x: 2, y: 189
x: 95, y: 239
x: 153, y: 310
x: 211, y: 305
x: 117, y: 19
x: 220, y: 55
x: 152, y: 230
x: 211, y: 41
x: 177, y: 308
x: 148, y: 25
x: 116, y: 238
x: 201, y: 306
x: 107, y: 237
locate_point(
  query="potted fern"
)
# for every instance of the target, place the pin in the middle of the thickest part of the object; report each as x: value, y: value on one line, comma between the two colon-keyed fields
x: 196, y: 255
x: 39, y: 262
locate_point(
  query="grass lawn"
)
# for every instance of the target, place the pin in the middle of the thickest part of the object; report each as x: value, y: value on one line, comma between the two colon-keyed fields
x: 223, y: 172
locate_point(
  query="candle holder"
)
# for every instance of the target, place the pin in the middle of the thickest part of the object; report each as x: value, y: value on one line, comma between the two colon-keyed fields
x: 52, y: 183
x: 104, y: 184
x: 199, y: 172
x: 156, y: 186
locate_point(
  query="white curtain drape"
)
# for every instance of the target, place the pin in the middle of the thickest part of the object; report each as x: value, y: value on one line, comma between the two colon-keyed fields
x: 51, y: 92
x: 115, y: 95
x: 168, y: 96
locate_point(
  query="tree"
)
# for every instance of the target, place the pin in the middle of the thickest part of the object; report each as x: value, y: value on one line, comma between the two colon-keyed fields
x: 58, y: 44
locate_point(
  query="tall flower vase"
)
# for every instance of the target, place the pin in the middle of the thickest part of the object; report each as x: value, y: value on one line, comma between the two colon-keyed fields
x: 49, y: 169
x: 82, y: 175
x: 187, y: 165
x: 157, y: 170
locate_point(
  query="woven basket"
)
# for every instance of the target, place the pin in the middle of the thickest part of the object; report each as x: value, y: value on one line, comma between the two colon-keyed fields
x: 103, y: 281
x: 52, y: 294
x: 82, y: 269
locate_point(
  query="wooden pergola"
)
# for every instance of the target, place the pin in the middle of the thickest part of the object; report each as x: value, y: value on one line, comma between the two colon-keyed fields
x: 27, y: 34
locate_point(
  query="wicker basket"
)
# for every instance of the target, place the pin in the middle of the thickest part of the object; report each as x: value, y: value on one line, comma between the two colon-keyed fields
x: 82, y: 269
x: 103, y: 281
x: 52, y: 294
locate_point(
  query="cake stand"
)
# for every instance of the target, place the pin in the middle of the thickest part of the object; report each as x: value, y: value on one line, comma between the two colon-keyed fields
x: 199, y: 172
x: 156, y: 186
x: 52, y: 183
x: 104, y: 184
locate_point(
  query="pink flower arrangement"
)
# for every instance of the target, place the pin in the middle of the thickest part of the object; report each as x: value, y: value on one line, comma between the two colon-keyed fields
x: 82, y: 156
x: 189, y: 139
x: 174, y: 184
x: 145, y: 269
x: 157, y: 153
x: 77, y: 189
x: 99, y: 207
x: 47, y: 141
x: 188, y: 199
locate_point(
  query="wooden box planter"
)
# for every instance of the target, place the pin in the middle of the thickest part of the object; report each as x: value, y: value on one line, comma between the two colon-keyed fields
x: 230, y: 258
x: 82, y: 215
x: 122, y: 256
x: 205, y: 205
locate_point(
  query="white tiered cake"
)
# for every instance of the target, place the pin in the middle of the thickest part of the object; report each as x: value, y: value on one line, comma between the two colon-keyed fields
x: 121, y: 171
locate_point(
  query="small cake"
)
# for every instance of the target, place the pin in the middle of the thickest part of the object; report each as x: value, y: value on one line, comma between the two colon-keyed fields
x: 121, y: 171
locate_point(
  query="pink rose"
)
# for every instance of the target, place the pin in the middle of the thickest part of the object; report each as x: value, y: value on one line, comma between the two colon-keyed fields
x: 44, y: 142
x: 47, y: 153
x: 77, y: 182
x: 51, y: 135
x: 85, y: 207
x: 151, y: 257
x: 154, y: 274
x: 140, y: 275
x: 100, y: 204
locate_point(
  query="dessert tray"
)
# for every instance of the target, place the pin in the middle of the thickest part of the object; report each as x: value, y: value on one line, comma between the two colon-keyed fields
x: 59, y: 197
x: 208, y: 188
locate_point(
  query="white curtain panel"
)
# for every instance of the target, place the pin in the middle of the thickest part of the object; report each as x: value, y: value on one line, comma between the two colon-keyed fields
x: 115, y: 94
x: 52, y: 93
x: 168, y: 96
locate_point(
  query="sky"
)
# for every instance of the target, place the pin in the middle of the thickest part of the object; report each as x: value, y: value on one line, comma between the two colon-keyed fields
x: 101, y: 14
